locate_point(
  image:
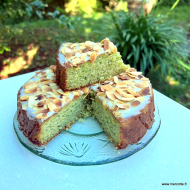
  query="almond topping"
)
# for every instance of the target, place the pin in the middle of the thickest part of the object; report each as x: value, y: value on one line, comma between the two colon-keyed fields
x: 101, y: 94
x: 58, y: 102
x: 41, y: 103
x: 145, y: 91
x: 31, y: 85
x: 116, y: 80
x: 106, y: 44
x: 42, y: 116
x: 66, y: 99
x: 123, y: 106
x: 68, y: 55
x: 114, y: 49
x: 122, y: 84
x: 51, y: 106
x: 24, y: 98
x: 41, y: 111
x: 30, y: 91
x: 46, y: 88
x: 86, y: 49
x: 56, y: 92
x: 107, y: 87
x: 93, y: 57
x: 110, y: 95
x: 118, y: 95
x: 85, y: 90
x: 83, y: 57
x: 135, y: 103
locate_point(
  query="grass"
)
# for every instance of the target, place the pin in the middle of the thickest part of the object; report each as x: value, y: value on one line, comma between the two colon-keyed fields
x: 34, y: 46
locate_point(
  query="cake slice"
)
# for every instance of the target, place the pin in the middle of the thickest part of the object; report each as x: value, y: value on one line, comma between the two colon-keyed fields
x: 44, y: 110
x: 124, y: 106
x: 82, y: 64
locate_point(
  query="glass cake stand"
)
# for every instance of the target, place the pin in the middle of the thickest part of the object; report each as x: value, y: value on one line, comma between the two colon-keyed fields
x: 85, y: 144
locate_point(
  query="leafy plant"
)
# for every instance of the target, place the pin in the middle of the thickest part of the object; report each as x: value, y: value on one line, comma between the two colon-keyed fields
x: 145, y: 42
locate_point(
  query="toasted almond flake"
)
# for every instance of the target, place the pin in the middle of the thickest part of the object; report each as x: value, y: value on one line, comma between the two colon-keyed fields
x: 116, y: 108
x: 41, y: 103
x: 25, y: 106
x: 104, y: 102
x: 88, y: 43
x: 51, y: 106
x: 116, y: 80
x: 24, y: 98
x: 76, y: 61
x: 31, y: 85
x: 68, y: 55
x: 139, y: 85
x: 68, y: 50
x: 135, y: 103
x: 86, y: 49
x: 52, y: 67
x: 132, y: 70
x: 49, y: 76
x: 66, y: 99
x: 67, y: 93
x: 85, y: 90
x: 101, y: 94
x: 77, y: 92
x: 93, y: 57
x: 42, y: 116
x: 110, y: 95
x: 57, y: 102
x: 75, y: 97
x: 128, y: 96
x: 145, y: 91
x: 118, y: 95
x: 83, y: 57
x: 41, y: 111
x: 45, y: 81
x: 123, y: 106
x: 46, y: 88
x: 31, y: 101
x: 127, y: 99
x: 144, y: 79
x: 56, y: 92
x: 129, y: 90
x: 140, y: 99
x: 106, y: 44
x: 30, y: 91
x: 107, y: 87
x: 119, y: 90
x: 114, y: 49
x: 136, y: 73
x: 121, y: 84
x: 125, y: 77
x: 51, y: 98
x: 52, y: 94
x: 56, y: 109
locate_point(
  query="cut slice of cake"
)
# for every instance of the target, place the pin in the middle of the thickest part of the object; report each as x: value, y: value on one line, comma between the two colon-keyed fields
x: 44, y: 110
x: 124, y: 105
x: 82, y: 64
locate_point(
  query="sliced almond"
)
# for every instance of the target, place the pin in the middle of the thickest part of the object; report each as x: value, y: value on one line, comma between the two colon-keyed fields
x: 85, y: 90
x: 56, y: 92
x: 106, y: 44
x: 83, y: 57
x: 30, y: 91
x: 86, y: 49
x: 45, y: 81
x: 110, y: 95
x: 31, y: 101
x: 41, y: 111
x: 46, y: 88
x: 121, y: 84
x: 57, y: 102
x: 93, y: 57
x: 107, y: 87
x: 140, y: 99
x: 42, y: 116
x: 123, y: 106
x: 24, y: 98
x: 60, y: 91
x: 144, y: 79
x: 66, y: 99
x: 41, y: 103
x: 135, y: 103
x: 31, y: 85
x: 25, y: 106
x: 145, y: 91
x: 56, y: 109
x: 116, y: 80
x: 68, y: 55
x: 118, y: 95
x: 114, y: 49
x: 101, y: 94
x: 51, y: 106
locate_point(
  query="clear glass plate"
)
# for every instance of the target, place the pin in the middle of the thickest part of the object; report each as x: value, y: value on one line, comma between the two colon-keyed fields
x: 85, y: 144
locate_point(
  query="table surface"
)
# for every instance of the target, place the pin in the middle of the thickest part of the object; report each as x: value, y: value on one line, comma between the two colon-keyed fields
x: 164, y: 160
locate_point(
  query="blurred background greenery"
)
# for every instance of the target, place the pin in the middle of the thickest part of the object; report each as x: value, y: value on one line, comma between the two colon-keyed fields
x: 151, y: 35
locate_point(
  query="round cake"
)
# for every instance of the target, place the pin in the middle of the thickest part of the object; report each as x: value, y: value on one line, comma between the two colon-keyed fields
x: 123, y: 104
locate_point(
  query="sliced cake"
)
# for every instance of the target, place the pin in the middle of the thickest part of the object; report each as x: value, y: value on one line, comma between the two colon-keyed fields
x: 123, y: 104
x: 44, y: 110
x: 82, y: 64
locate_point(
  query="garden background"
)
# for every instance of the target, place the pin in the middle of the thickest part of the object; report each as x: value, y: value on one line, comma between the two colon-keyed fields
x: 153, y: 36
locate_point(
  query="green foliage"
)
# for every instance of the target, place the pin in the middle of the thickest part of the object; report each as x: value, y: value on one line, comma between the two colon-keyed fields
x: 170, y: 3
x: 14, y: 11
x: 145, y: 42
